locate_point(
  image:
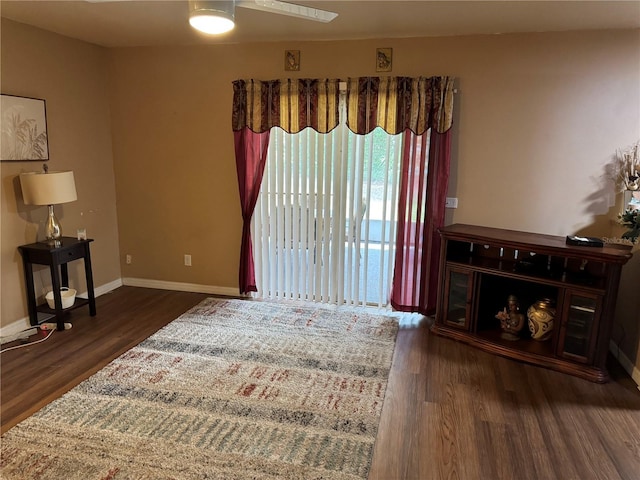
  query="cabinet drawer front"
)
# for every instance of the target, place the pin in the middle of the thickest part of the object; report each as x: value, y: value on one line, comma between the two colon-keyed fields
x: 65, y: 256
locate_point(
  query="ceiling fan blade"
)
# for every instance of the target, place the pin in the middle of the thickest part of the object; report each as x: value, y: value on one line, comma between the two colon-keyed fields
x: 291, y: 9
x: 271, y: 6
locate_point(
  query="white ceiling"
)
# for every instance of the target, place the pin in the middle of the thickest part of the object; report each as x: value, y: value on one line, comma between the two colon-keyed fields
x: 148, y: 22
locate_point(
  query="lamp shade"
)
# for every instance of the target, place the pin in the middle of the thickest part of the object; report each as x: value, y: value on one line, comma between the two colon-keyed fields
x: 48, y: 188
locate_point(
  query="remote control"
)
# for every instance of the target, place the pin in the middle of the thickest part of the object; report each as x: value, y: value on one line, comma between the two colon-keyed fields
x: 584, y: 241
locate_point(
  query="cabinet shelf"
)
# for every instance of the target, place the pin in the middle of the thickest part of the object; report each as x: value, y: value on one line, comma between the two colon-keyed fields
x: 582, y: 309
x: 480, y: 267
x: 526, y: 345
x: 79, y: 302
x: 510, y: 269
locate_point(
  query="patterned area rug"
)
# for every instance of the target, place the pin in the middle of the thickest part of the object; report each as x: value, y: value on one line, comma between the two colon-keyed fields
x: 232, y: 389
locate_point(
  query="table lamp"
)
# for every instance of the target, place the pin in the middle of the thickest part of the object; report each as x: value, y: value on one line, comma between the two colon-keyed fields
x: 49, y: 188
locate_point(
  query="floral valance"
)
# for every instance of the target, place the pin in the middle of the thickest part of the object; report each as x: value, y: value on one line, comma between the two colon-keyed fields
x: 393, y: 103
x: 291, y: 104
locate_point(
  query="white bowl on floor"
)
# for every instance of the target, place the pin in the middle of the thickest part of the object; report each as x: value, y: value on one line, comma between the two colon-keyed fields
x: 67, y: 295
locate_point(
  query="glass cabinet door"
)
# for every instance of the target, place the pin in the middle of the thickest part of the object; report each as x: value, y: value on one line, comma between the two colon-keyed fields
x: 579, y: 329
x: 458, y: 298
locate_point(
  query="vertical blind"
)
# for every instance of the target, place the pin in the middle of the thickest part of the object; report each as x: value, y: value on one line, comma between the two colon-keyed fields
x: 324, y: 218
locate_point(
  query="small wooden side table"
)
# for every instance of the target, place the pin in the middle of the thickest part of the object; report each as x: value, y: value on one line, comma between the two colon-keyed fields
x: 57, y: 256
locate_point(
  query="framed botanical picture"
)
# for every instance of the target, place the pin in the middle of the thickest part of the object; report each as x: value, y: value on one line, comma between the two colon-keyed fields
x: 384, y: 57
x: 24, y: 129
x: 292, y: 60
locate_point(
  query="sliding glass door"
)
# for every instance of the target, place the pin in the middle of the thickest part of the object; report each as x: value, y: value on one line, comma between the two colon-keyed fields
x: 324, y: 224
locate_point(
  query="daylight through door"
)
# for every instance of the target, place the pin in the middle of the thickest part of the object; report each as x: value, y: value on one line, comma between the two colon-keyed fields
x: 324, y: 225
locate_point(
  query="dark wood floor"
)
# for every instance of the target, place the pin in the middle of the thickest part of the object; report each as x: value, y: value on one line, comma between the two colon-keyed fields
x: 451, y: 411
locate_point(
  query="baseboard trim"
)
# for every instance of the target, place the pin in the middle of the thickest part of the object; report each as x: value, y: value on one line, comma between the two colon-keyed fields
x: 627, y: 364
x: 24, y: 324
x: 181, y: 287
x: 102, y: 289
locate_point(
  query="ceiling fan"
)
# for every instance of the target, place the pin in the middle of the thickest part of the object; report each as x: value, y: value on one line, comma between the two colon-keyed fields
x: 217, y: 16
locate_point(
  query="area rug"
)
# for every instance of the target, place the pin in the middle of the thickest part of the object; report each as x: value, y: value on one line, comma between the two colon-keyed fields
x: 232, y: 389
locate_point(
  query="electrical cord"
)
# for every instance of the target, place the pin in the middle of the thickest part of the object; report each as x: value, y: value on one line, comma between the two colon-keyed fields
x: 28, y: 344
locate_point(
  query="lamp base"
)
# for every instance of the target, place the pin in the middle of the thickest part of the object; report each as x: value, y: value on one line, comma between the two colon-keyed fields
x: 52, y: 243
x: 52, y: 230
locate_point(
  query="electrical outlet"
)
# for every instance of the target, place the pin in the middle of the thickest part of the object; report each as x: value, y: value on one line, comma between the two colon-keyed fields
x: 187, y: 260
x: 128, y: 260
x: 452, y: 202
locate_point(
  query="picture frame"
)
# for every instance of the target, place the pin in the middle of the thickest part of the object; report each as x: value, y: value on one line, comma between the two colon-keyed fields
x: 384, y: 59
x: 292, y: 60
x: 24, y: 129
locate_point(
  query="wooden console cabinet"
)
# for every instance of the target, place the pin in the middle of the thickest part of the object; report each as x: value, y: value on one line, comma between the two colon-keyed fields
x: 480, y: 267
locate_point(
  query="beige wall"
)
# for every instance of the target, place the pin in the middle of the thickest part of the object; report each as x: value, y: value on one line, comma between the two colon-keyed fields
x: 72, y: 77
x: 538, y: 116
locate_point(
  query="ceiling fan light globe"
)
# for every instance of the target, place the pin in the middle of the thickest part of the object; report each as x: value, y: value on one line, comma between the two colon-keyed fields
x: 210, y: 23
